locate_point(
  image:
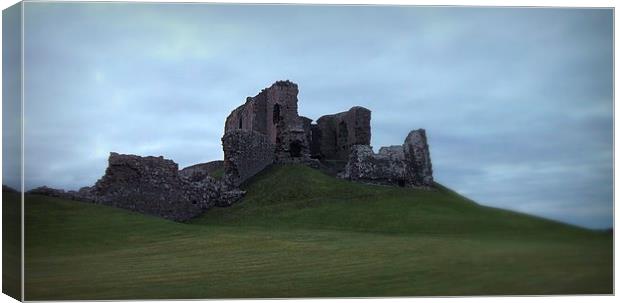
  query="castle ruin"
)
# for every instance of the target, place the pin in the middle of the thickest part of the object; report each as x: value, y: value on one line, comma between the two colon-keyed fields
x: 266, y: 129
x: 273, y: 113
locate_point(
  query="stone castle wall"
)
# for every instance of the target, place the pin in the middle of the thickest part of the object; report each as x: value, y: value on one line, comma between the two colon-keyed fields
x: 418, y: 158
x: 151, y: 185
x: 263, y: 112
x: 273, y: 113
x: 246, y: 153
x: 403, y: 165
x: 337, y: 133
x: 382, y: 168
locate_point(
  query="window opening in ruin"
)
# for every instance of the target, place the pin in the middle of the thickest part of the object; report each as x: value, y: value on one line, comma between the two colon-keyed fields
x: 276, y: 114
x: 240, y: 123
x: 295, y: 149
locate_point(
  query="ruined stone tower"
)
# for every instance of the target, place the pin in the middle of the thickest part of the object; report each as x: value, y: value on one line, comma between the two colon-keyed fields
x: 273, y: 113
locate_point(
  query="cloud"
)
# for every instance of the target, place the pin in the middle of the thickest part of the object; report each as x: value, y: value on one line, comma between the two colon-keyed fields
x: 517, y: 102
x: 11, y: 98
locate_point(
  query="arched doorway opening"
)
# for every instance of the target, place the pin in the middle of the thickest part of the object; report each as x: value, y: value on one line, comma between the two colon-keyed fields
x: 295, y: 149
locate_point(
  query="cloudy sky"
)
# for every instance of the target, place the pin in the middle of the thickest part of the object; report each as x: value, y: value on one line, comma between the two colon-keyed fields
x: 517, y: 102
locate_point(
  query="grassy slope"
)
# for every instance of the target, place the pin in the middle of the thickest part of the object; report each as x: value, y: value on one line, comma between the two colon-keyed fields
x: 301, y: 233
x: 11, y: 244
x: 297, y: 196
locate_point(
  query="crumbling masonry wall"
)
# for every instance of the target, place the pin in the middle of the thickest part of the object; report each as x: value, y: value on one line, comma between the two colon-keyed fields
x: 273, y: 113
x: 151, y: 185
x: 382, y: 168
x: 418, y: 159
x: 335, y: 134
x: 403, y: 165
x: 246, y: 153
x: 145, y: 184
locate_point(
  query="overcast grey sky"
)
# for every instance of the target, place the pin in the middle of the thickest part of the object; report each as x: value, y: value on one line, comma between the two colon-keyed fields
x: 517, y: 102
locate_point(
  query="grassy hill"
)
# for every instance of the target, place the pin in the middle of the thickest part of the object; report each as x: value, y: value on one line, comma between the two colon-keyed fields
x: 300, y: 233
x: 11, y: 243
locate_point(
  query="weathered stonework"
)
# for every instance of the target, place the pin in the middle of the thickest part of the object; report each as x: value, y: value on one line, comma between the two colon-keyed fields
x: 246, y: 153
x: 382, y: 168
x: 403, y: 165
x: 337, y: 133
x: 418, y: 159
x: 273, y: 113
x: 151, y: 185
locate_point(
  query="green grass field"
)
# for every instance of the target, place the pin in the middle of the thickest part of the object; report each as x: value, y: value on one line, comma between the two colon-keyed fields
x: 11, y: 245
x: 300, y: 233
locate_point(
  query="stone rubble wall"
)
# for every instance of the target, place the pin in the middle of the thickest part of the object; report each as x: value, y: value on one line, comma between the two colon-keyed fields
x: 151, y: 185
x: 246, y: 153
x: 366, y: 166
x: 403, y: 165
